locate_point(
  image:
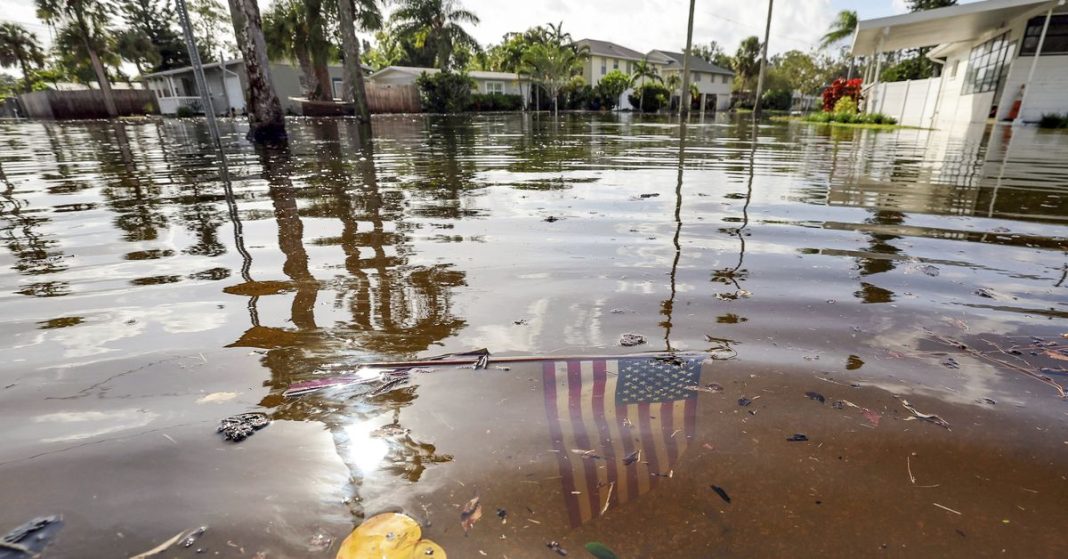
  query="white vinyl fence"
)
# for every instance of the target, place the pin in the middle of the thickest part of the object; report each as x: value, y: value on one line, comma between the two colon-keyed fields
x: 912, y: 102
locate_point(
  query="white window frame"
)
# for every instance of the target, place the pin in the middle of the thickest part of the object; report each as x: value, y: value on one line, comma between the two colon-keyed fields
x: 494, y: 87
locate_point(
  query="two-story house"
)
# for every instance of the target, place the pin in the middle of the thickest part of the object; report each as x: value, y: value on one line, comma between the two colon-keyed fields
x: 712, y: 82
x: 604, y: 57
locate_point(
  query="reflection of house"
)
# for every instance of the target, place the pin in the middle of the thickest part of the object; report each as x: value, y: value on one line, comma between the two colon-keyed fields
x: 226, y: 83
x: 485, y: 82
x: 712, y: 82
x: 988, y: 51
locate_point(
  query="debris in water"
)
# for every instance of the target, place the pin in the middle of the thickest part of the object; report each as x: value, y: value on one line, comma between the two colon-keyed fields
x: 797, y: 438
x: 388, y: 534
x: 924, y: 416
x: 552, y: 219
x: 649, y: 195
x: 631, y: 340
x: 950, y: 363
x: 503, y: 515
x: 743, y: 401
x: 632, y: 457
x: 990, y: 401
x: 815, y: 396
x: 179, y: 537
x: 555, y: 546
x: 608, y: 499
x: 854, y: 362
x: 872, y: 417
x: 600, y: 551
x: 947, y: 508
x: 929, y: 270
x: 191, y: 539
x: 838, y: 404
x: 239, y: 427
x: 722, y: 494
x: 30, y: 538
x: 984, y: 292
x: 470, y: 514
x: 482, y: 362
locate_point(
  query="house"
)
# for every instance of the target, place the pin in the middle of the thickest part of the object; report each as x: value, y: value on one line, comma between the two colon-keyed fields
x: 712, y: 82
x: 1006, y: 59
x: 485, y: 82
x: 605, y: 56
x: 227, y: 82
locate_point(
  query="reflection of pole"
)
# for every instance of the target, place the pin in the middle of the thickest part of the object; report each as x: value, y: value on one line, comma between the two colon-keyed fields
x: 763, y: 64
x: 239, y: 235
x: 684, y: 105
x: 198, y: 71
x: 668, y: 306
x: 748, y: 198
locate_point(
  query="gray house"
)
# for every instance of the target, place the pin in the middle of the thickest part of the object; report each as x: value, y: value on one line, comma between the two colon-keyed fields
x: 227, y: 83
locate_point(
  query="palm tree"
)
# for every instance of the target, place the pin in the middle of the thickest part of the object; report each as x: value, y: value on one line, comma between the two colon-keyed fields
x: 437, y: 24
x: 747, y: 60
x: 265, y: 117
x: 19, y: 47
x: 137, y: 48
x: 88, y: 20
x: 366, y: 11
x: 644, y: 70
x: 553, y: 66
x: 843, y: 26
x: 285, y: 28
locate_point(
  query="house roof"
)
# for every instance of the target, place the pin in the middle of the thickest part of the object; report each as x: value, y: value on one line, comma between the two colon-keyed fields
x: 477, y: 74
x: 674, y: 60
x: 606, y: 48
x: 188, y: 69
x: 933, y: 27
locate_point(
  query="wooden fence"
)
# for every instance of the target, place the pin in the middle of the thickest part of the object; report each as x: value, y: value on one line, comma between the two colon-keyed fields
x: 87, y: 103
x: 390, y: 98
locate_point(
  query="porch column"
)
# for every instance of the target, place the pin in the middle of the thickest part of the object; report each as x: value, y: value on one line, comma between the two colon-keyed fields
x: 1034, y: 63
x: 703, y: 105
x: 170, y: 82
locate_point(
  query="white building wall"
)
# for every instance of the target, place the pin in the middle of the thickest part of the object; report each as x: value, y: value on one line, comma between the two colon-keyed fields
x: 1048, y: 92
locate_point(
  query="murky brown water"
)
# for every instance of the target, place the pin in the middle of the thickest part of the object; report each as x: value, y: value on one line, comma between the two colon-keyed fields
x: 147, y: 293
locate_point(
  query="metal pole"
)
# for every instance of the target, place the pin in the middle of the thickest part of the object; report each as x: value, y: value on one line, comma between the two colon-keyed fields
x: 198, y: 72
x: 763, y: 63
x: 684, y: 95
x: 1034, y: 63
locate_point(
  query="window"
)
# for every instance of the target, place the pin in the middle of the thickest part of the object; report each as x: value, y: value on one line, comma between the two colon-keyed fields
x: 615, y: 64
x: 603, y: 67
x: 338, y: 85
x: 987, y: 65
x: 697, y: 76
x: 953, y: 69
x: 494, y: 87
x: 726, y: 79
x: 1056, y: 36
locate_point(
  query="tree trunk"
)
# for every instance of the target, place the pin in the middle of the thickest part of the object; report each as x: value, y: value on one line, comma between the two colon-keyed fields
x: 102, y: 81
x: 307, y: 74
x: 266, y: 120
x: 319, y: 50
x: 354, y: 85
x: 25, y: 74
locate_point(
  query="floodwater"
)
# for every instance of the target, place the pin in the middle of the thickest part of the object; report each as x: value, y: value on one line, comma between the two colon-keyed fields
x: 826, y: 277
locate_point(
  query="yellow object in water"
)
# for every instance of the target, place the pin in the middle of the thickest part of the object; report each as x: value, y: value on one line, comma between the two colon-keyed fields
x: 389, y: 536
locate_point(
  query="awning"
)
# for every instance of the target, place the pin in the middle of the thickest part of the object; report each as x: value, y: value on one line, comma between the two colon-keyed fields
x: 933, y: 27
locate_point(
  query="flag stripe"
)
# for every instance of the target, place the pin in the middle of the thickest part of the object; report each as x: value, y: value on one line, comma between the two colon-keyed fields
x: 555, y: 431
x: 648, y: 444
x: 667, y: 419
x: 593, y: 436
x: 615, y: 429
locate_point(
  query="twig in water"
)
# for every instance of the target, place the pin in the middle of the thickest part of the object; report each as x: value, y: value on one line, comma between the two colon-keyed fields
x: 908, y: 464
x: 611, y: 486
x: 947, y: 508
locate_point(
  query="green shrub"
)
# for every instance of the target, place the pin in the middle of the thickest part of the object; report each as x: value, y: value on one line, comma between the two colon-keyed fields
x: 845, y: 105
x: 611, y: 86
x: 776, y: 100
x: 444, y: 92
x: 1053, y: 120
x: 184, y: 112
x: 652, y: 96
x: 496, y: 102
x: 846, y: 117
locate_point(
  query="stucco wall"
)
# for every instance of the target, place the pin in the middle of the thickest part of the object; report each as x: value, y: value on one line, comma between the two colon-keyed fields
x: 1048, y: 92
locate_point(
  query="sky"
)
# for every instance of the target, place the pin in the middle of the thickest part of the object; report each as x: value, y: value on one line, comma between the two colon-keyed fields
x: 638, y: 24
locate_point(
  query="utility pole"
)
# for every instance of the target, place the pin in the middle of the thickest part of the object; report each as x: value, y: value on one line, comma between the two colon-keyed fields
x: 763, y: 64
x: 198, y: 73
x: 684, y: 95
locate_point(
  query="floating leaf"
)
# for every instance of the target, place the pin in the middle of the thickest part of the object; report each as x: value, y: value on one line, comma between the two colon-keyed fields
x: 470, y: 514
x: 600, y: 551
x: 722, y: 493
x: 632, y: 457
x: 388, y: 536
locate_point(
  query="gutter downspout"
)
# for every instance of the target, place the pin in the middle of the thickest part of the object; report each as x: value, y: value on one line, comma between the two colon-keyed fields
x: 1034, y: 62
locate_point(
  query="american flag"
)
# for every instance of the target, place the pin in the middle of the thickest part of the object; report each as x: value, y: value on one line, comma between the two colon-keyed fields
x: 601, y: 411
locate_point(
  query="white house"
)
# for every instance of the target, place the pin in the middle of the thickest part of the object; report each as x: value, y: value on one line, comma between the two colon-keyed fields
x: 712, y: 82
x: 485, y: 82
x: 1003, y: 59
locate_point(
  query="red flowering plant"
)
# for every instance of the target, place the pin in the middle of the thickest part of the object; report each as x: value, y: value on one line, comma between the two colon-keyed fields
x: 840, y: 88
